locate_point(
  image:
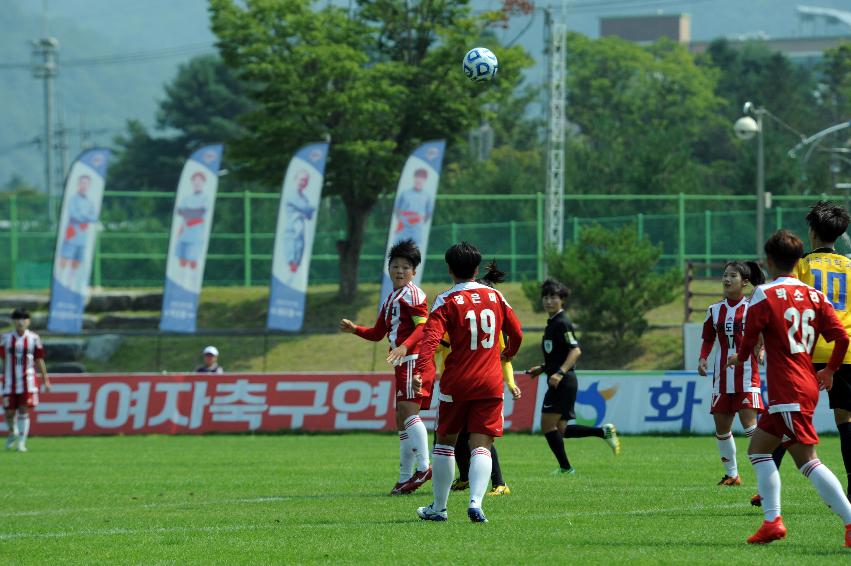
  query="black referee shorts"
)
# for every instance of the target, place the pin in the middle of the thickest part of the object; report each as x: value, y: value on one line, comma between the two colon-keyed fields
x: 561, y: 400
x: 840, y: 393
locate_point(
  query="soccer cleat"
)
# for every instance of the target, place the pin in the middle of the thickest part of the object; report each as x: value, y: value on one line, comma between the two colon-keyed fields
x: 22, y: 447
x: 727, y: 480
x: 418, y: 479
x: 756, y: 500
x: 459, y: 485
x: 611, y: 438
x: 476, y: 515
x: 561, y: 471
x: 10, y: 441
x: 769, y: 532
x: 398, y: 487
x: 429, y: 514
x: 500, y: 490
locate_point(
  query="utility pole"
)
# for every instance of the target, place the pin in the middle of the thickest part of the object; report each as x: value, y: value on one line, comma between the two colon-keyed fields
x: 45, y: 66
x: 554, y: 214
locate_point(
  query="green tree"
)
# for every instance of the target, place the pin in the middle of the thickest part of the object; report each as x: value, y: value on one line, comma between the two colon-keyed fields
x: 377, y: 80
x: 614, y: 282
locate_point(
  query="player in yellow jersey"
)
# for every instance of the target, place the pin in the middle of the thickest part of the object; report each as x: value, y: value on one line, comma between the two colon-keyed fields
x: 829, y: 272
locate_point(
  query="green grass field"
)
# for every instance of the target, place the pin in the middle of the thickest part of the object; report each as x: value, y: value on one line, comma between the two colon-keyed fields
x: 322, y: 499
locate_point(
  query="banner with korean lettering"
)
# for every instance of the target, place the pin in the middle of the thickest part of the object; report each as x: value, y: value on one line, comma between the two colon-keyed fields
x: 75, y: 240
x: 190, y: 236
x: 300, y: 196
x: 413, y: 207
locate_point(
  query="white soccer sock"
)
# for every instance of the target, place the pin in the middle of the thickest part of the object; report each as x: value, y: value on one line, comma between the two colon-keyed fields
x: 442, y: 474
x: 727, y: 449
x: 750, y: 430
x: 418, y: 441
x: 12, y: 424
x: 768, y: 484
x: 406, y: 457
x: 24, y: 427
x: 480, y: 474
x: 828, y: 488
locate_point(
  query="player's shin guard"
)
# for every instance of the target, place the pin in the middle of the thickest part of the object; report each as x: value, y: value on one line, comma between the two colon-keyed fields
x: 828, y: 488
x: 480, y: 474
x: 727, y: 449
x: 418, y: 439
x: 768, y: 484
x: 23, y: 427
x: 442, y: 474
x: 406, y: 457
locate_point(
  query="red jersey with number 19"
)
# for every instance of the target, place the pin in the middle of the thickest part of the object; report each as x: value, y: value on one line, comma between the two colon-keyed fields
x: 473, y: 315
x: 790, y: 316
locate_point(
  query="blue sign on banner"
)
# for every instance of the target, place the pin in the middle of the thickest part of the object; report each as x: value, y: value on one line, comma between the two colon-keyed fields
x: 190, y: 237
x: 300, y: 196
x: 75, y: 240
x: 414, y: 205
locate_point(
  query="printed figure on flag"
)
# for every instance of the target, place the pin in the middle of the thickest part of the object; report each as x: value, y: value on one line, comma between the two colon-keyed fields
x: 192, y: 209
x: 413, y: 209
x: 299, y: 212
x: 82, y: 213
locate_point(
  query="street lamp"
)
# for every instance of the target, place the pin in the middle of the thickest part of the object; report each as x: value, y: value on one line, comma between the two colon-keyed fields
x: 746, y: 127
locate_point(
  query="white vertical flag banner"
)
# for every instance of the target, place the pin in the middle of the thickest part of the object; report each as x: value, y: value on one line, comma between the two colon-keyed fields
x: 190, y: 238
x: 75, y: 240
x: 300, y: 196
x: 413, y: 207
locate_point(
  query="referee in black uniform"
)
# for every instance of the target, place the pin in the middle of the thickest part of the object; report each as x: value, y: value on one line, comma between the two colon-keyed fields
x: 561, y: 351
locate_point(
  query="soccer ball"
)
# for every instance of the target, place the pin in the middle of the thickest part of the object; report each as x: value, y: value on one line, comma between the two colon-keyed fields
x: 480, y: 64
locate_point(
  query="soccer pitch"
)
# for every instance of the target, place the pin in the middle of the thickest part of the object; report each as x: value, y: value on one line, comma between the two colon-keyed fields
x: 322, y: 499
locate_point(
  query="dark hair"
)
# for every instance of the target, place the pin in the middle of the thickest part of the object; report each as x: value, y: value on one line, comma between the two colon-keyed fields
x: 554, y: 287
x: 463, y: 258
x: 749, y: 270
x: 493, y: 275
x: 406, y: 249
x: 20, y: 313
x: 785, y: 249
x: 828, y: 220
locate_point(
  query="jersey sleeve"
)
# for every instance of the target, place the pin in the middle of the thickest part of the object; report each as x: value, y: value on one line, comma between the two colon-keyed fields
x: 2, y: 347
x: 757, y: 316
x: 433, y: 332
x: 833, y: 330
x: 569, y: 334
x: 377, y: 332
x: 511, y: 330
x: 708, y: 335
x: 38, y: 351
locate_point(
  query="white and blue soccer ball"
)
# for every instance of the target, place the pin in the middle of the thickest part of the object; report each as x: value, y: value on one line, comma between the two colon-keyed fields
x: 480, y: 64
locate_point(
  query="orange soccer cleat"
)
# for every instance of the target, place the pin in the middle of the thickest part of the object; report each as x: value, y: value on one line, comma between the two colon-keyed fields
x: 769, y: 532
x: 756, y: 500
x: 727, y: 480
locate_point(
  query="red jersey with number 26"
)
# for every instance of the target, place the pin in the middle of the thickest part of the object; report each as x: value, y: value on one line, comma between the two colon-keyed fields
x: 791, y: 315
x: 473, y: 315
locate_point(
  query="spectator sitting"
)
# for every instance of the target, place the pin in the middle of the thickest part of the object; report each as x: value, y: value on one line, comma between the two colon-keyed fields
x: 211, y: 358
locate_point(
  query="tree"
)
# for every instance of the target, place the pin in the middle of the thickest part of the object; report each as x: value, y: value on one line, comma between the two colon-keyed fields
x: 377, y: 80
x: 614, y: 282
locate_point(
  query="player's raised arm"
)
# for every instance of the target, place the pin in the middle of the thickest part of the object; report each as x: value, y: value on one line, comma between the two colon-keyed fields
x: 374, y: 334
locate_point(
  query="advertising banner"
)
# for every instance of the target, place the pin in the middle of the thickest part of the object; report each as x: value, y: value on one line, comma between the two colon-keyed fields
x: 413, y: 207
x: 75, y: 240
x: 297, y: 213
x: 190, y: 238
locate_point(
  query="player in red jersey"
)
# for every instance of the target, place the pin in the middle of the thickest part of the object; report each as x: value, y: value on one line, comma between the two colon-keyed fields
x: 21, y: 351
x: 471, y: 386
x: 403, y: 314
x: 734, y: 389
x: 791, y: 316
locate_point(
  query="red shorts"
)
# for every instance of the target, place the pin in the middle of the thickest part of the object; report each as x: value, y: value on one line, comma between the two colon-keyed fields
x: 791, y: 426
x: 483, y: 416
x: 734, y: 402
x: 405, y: 383
x: 17, y: 400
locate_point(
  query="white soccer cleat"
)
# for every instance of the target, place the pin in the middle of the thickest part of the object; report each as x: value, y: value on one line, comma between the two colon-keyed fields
x: 429, y: 514
x: 10, y: 441
x: 611, y: 438
x: 22, y: 447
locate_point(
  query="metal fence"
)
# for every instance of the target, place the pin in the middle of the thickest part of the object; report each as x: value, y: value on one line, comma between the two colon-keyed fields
x: 132, y: 245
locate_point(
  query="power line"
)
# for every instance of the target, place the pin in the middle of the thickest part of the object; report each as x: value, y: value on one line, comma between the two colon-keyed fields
x: 133, y: 57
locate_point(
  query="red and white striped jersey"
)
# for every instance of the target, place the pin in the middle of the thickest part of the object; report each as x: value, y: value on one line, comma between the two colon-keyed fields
x: 473, y: 315
x: 724, y: 327
x: 401, y: 313
x: 791, y: 316
x: 19, y: 354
